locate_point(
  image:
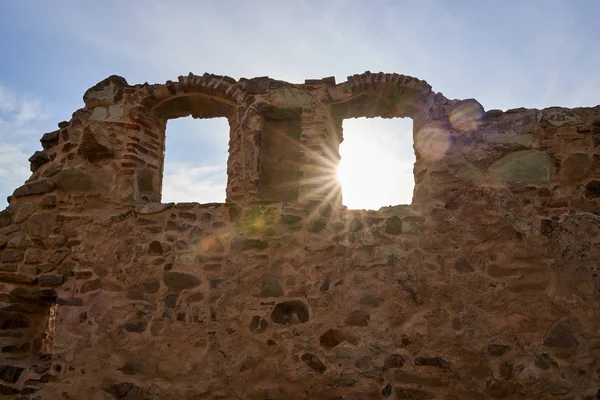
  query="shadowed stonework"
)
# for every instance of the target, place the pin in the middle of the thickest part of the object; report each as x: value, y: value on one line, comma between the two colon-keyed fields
x: 487, y: 286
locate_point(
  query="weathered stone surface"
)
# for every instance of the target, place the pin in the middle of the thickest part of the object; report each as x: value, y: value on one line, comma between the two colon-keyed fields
x: 95, y: 146
x: 40, y: 224
x: 576, y: 166
x: 74, y: 180
x: 526, y: 166
x: 5, y: 218
x: 485, y: 286
x: 109, y: 90
x: 50, y: 140
x: 34, y: 188
x: 38, y: 159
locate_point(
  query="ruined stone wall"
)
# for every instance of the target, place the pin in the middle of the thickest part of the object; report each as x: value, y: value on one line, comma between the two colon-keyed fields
x: 486, y: 286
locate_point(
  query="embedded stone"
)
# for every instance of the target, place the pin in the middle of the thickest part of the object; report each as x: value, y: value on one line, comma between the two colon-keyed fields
x: 394, y: 361
x: 387, y: 390
x: 313, y: 362
x: 270, y: 287
x: 66, y: 268
x: 5, y: 218
x: 290, y: 313
x: 358, y: 318
x: 94, y: 145
x: 155, y: 248
x: 355, y: 225
x: 10, y: 374
x: 576, y: 166
x: 258, y: 324
x: 525, y: 166
x: 49, y: 140
x: 70, y: 302
x: 316, y: 225
x: 333, y: 337
x: 370, y: 300
x: 74, y: 180
x: 180, y: 281
x: 48, y: 295
x: 497, y: 350
x: 59, y: 255
x: 496, y: 389
x: 506, y: 369
x: 9, y: 277
x: 432, y: 362
x: 40, y: 224
x: 107, y: 91
x: 151, y: 286
x: 413, y: 394
x: 50, y: 280
x: 461, y: 265
x: 592, y: 191
x: 11, y: 256
x: 134, y: 326
x: 258, y: 85
x: 543, y: 361
x: 561, y: 335
x: 13, y: 321
x: 248, y: 244
x: 48, y: 201
x: 393, y: 225
x: 34, y: 188
x: 38, y: 159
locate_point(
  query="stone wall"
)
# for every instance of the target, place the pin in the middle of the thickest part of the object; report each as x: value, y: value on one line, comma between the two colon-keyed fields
x: 485, y: 287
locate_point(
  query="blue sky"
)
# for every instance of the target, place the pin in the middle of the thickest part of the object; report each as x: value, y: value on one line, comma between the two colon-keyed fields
x: 505, y: 54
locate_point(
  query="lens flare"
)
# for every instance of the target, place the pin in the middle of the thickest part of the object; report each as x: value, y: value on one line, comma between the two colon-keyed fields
x: 432, y: 141
x: 466, y: 116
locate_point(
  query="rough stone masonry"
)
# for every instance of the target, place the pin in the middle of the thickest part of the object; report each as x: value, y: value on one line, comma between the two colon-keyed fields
x: 485, y: 287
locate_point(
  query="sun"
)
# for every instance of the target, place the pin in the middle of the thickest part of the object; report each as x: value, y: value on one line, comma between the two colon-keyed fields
x: 376, y: 168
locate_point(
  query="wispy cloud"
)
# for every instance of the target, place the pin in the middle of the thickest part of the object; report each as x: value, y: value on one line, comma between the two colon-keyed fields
x: 185, y: 182
x: 18, y: 110
x: 13, y: 169
x: 19, y: 116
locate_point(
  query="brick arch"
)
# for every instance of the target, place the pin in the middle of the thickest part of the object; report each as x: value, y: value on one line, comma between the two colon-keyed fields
x: 379, y: 95
x: 168, y: 100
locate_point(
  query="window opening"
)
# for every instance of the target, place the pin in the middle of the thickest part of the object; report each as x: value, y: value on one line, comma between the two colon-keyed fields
x: 195, y: 168
x: 376, y: 168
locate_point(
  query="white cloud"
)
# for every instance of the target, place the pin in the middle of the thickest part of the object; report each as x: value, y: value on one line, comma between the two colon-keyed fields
x: 18, y: 110
x: 7, y: 100
x: 14, y: 169
x: 18, y: 118
x: 185, y: 182
x: 28, y: 111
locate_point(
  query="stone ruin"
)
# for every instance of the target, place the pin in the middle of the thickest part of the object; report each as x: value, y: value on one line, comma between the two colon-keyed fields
x: 485, y: 287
